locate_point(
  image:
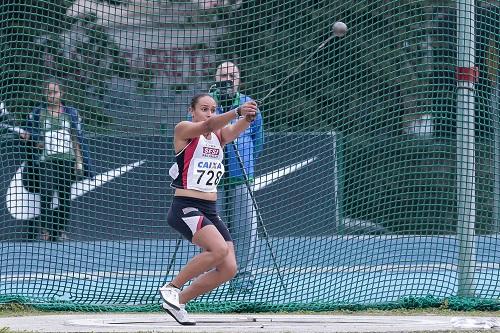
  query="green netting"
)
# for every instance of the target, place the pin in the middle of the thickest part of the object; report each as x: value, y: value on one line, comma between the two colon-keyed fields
x: 376, y: 185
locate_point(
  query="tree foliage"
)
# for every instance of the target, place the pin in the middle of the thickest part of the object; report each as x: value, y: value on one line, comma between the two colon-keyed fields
x: 396, y: 63
x: 39, y: 40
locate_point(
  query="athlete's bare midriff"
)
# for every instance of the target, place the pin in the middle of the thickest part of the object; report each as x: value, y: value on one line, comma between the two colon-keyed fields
x: 180, y: 192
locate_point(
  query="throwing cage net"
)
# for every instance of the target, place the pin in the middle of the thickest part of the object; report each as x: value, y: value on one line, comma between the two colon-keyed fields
x: 373, y: 179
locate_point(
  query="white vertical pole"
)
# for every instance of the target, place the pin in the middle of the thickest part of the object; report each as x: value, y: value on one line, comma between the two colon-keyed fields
x: 336, y: 179
x: 495, y: 107
x: 466, y: 178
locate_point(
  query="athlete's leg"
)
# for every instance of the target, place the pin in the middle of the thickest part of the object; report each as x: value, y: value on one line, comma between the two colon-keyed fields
x: 66, y: 176
x: 223, y: 202
x: 210, y: 234
x: 46, y: 173
x: 210, y: 280
x: 215, y: 251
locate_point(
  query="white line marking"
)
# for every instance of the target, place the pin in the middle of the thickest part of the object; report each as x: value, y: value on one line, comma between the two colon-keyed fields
x: 24, y: 205
x: 273, y: 176
x: 96, y: 275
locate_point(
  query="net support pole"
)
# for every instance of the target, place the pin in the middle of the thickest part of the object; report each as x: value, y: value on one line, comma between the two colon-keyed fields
x: 495, y: 110
x: 337, y: 190
x: 466, y: 178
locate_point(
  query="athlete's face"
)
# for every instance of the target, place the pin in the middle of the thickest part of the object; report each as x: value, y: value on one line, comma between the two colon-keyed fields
x: 54, y: 93
x: 203, y: 109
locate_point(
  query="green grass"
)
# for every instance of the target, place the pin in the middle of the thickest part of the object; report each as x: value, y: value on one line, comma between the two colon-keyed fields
x: 17, y: 309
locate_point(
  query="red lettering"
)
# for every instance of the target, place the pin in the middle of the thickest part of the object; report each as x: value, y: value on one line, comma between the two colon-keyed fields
x: 178, y: 62
x: 210, y: 151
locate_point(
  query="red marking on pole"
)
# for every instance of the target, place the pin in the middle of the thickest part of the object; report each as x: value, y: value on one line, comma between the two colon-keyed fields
x: 468, y: 74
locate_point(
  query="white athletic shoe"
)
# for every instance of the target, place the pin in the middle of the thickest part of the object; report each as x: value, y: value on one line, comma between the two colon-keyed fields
x: 170, y: 295
x: 181, y: 315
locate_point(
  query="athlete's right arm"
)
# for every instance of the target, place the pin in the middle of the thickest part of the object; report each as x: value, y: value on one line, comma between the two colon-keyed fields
x: 32, y: 131
x: 186, y: 130
x: 25, y: 135
x: 29, y: 128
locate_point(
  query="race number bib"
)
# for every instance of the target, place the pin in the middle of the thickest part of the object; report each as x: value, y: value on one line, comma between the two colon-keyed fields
x: 206, y: 174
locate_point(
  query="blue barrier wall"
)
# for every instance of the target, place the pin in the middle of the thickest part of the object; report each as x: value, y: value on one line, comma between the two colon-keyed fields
x: 134, y: 204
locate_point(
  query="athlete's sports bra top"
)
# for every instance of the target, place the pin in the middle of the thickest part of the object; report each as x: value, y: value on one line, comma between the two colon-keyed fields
x: 199, y: 165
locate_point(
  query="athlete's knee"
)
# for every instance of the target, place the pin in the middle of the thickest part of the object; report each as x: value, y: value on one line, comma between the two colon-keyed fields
x: 219, y: 252
x: 231, y: 270
x: 228, y: 269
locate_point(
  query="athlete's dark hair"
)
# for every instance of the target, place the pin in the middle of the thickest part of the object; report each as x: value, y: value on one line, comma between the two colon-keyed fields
x: 52, y: 80
x: 196, y: 98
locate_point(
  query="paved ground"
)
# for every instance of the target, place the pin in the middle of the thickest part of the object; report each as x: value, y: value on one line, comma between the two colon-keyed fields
x: 147, y: 322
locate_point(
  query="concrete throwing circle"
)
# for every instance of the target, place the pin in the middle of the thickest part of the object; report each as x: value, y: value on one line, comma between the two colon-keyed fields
x: 154, y: 322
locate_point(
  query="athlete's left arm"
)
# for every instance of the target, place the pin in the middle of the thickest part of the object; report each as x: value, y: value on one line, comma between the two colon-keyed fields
x: 231, y: 132
x: 78, y: 127
x: 77, y: 139
x: 76, y: 134
x: 258, y: 135
x: 78, y: 154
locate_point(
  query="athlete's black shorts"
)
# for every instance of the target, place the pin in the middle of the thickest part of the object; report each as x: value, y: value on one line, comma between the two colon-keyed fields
x: 188, y: 215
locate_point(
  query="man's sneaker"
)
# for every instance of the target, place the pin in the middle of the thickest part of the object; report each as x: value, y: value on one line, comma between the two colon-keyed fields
x: 181, y: 315
x: 170, y: 295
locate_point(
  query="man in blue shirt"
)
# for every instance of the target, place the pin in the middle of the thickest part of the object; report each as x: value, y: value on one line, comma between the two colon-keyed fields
x: 234, y: 200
